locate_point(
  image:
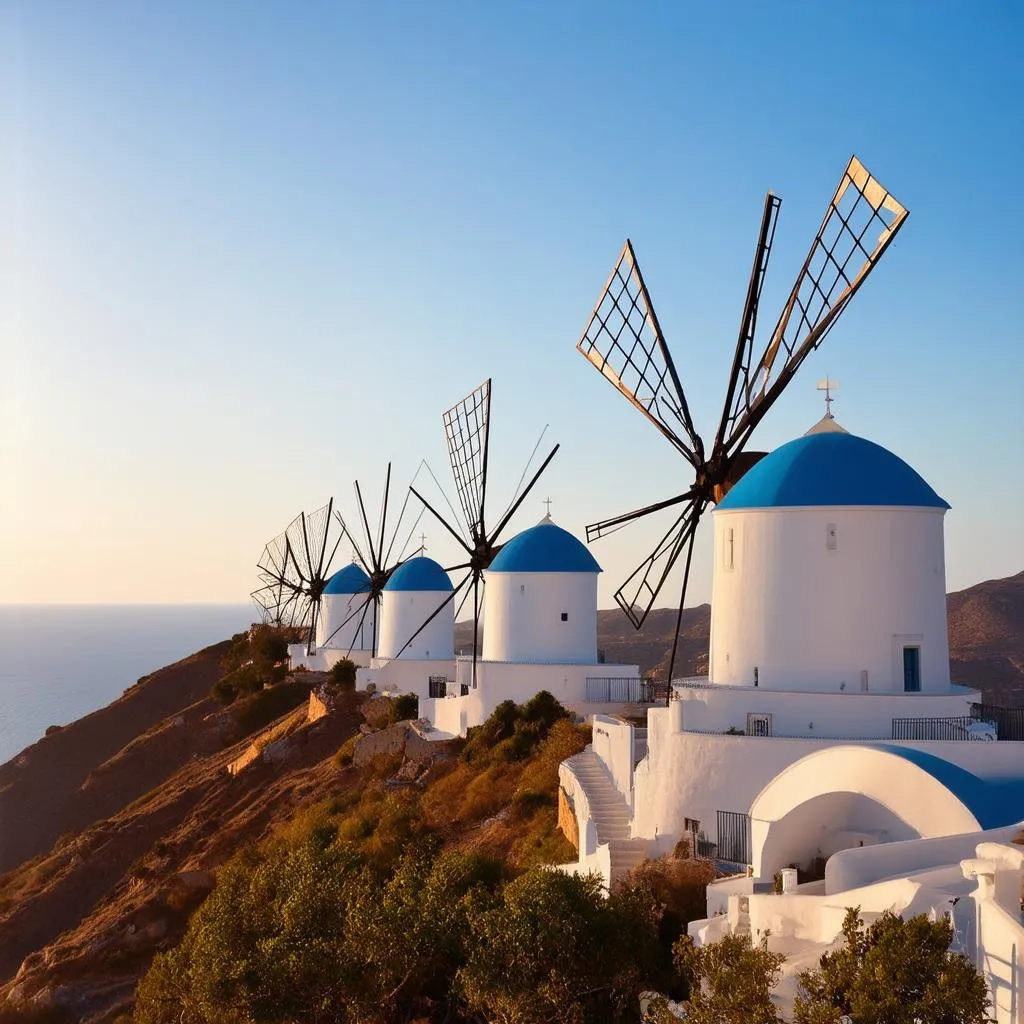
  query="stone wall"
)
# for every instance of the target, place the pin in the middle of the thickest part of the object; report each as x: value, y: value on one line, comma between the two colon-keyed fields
x: 567, y: 819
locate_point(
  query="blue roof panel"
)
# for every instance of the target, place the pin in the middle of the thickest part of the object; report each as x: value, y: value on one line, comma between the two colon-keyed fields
x: 831, y: 469
x: 544, y: 548
x: 350, y: 580
x: 420, y: 574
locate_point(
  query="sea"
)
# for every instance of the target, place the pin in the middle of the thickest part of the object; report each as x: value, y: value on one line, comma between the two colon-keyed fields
x: 60, y: 662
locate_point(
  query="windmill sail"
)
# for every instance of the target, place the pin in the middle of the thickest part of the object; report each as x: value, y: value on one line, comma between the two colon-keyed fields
x: 857, y: 228
x: 624, y: 342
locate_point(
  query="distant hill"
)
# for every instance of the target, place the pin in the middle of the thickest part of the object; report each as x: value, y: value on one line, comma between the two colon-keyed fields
x: 986, y: 639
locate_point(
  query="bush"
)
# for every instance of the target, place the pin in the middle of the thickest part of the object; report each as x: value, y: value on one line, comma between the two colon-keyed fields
x: 262, y: 708
x: 514, y: 733
x: 893, y: 970
x: 555, y: 949
x: 680, y: 886
x: 343, y: 674
x: 404, y: 708
x: 343, y: 758
x: 255, y: 659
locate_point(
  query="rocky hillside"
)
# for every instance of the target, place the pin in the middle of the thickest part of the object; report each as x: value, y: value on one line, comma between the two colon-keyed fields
x: 111, y: 826
x: 986, y: 638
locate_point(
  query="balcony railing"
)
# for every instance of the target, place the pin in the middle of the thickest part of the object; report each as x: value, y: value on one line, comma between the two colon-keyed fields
x: 601, y: 690
x: 957, y: 728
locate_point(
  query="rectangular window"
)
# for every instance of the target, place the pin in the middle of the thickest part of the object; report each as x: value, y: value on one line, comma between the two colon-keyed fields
x: 565, y: 616
x: 759, y: 725
x: 912, y: 669
x: 728, y: 549
x: 830, y: 537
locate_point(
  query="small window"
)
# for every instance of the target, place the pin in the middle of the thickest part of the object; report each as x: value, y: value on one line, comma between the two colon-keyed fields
x: 759, y: 725
x: 912, y: 669
x: 831, y: 541
x: 565, y: 616
x: 522, y: 588
x: 729, y: 549
x: 691, y: 825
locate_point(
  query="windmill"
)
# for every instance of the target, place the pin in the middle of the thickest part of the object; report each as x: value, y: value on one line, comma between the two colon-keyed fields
x: 295, y: 567
x: 467, y: 426
x: 378, y: 564
x: 625, y: 343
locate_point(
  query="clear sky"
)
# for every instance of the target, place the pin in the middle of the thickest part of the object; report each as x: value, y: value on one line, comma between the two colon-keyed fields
x: 250, y: 252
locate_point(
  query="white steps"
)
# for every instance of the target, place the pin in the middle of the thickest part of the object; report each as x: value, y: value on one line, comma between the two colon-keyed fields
x: 609, y: 812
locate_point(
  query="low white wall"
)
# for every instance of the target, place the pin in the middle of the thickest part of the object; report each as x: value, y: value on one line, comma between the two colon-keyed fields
x: 1000, y: 957
x: 498, y: 681
x: 593, y: 858
x: 404, y: 675
x: 853, y: 869
x: 613, y: 744
x: 324, y: 658
x: 846, y: 714
x: 694, y: 775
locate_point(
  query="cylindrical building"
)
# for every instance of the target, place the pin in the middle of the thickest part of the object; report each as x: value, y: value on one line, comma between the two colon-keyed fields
x: 415, y: 591
x: 342, y: 625
x: 540, y: 600
x: 830, y: 573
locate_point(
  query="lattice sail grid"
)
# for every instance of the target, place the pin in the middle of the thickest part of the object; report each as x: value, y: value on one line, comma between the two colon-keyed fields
x: 466, y: 428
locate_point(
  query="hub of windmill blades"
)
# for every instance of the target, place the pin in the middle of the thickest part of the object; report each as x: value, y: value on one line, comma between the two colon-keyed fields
x: 624, y: 341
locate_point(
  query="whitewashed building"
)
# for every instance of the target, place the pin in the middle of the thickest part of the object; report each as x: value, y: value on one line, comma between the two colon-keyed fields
x: 345, y: 627
x: 417, y: 630
x: 540, y: 633
x: 827, y: 730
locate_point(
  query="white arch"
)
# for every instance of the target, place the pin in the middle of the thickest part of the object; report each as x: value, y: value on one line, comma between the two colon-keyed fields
x: 853, y: 795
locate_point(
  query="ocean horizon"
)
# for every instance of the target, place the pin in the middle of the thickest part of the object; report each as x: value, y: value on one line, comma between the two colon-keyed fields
x: 59, y: 662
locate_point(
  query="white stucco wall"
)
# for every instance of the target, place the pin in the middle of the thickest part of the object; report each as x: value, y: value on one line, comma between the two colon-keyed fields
x: 342, y: 623
x: 403, y: 612
x: 405, y: 675
x: 500, y: 681
x: 612, y: 742
x: 846, y: 795
x: 694, y: 775
x: 524, y: 610
x: 811, y: 617
x: 841, y: 714
x: 855, y: 868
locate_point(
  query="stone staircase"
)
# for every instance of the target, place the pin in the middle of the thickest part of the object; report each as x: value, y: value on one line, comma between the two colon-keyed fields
x: 610, y: 813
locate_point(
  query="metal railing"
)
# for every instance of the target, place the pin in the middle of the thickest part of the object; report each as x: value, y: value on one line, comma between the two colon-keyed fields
x: 1009, y: 722
x: 601, y: 690
x: 957, y: 728
x: 734, y: 837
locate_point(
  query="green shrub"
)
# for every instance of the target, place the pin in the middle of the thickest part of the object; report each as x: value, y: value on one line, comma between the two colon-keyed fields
x: 343, y: 674
x: 262, y: 708
x: 404, y: 708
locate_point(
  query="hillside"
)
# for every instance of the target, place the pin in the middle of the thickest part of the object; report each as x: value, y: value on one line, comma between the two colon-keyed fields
x: 110, y: 827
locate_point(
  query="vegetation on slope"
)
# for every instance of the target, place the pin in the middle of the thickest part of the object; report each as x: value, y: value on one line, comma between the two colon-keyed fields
x: 386, y: 902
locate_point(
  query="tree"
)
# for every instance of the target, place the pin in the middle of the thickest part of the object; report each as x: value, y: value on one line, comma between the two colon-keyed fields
x: 730, y: 981
x: 555, y: 949
x: 893, y: 972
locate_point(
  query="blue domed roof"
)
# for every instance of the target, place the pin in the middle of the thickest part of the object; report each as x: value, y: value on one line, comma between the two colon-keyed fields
x: 544, y: 548
x: 350, y: 580
x: 831, y: 469
x: 420, y: 573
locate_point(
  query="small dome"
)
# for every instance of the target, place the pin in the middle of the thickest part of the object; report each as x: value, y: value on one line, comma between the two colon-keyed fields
x: 544, y: 548
x: 420, y: 574
x: 831, y: 468
x: 350, y: 580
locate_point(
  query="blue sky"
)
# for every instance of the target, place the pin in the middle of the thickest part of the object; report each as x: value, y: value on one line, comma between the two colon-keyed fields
x: 251, y: 252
